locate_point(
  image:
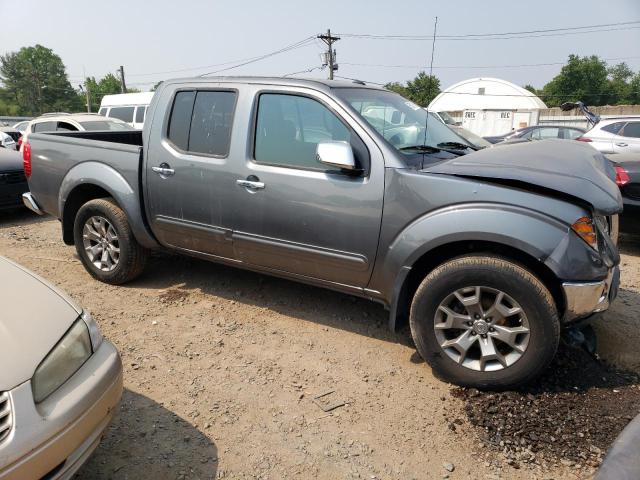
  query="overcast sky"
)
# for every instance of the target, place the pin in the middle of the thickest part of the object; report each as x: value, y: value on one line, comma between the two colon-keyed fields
x: 168, y: 35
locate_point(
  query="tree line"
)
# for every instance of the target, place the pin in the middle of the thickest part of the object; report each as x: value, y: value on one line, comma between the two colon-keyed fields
x: 34, y: 81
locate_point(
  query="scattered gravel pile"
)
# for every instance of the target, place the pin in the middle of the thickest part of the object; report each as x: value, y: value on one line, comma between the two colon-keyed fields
x: 570, y: 416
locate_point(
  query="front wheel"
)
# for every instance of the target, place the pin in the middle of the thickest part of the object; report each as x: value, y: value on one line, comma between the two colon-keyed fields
x: 105, y: 243
x: 484, y: 322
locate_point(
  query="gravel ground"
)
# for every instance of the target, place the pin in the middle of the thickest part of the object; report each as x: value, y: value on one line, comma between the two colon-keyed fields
x: 222, y: 368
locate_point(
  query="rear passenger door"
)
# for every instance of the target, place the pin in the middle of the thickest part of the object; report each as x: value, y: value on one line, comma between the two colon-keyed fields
x: 628, y: 139
x: 187, y: 177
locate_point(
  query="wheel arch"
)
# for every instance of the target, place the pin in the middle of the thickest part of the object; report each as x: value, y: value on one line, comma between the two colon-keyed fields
x: 90, y: 180
x: 423, y: 265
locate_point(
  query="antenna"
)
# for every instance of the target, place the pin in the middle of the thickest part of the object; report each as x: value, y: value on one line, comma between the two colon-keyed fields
x: 433, y: 49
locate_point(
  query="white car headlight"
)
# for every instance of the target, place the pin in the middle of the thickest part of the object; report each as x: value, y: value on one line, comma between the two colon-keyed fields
x: 62, y: 361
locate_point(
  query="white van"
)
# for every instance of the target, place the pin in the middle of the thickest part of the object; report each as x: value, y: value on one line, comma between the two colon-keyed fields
x: 128, y: 107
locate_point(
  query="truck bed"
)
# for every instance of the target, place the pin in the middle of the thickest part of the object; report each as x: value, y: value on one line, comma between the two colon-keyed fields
x: 63, y: 156
x: 128, y: 137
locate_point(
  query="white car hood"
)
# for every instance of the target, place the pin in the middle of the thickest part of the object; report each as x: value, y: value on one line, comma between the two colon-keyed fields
x: 34, y: 316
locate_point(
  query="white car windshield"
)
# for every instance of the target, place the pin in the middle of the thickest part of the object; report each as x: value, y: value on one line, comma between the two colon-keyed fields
x: 401, y: 122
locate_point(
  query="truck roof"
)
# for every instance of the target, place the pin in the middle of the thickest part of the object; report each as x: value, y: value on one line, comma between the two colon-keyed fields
x: 293, y: 82
x: 122, y: 99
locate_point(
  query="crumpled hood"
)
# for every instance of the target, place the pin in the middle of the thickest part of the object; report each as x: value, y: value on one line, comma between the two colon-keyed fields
x: 33, y: 318
x: 568, y: 167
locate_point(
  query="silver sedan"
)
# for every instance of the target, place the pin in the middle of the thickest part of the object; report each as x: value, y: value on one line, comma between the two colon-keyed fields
x: 62, y: 383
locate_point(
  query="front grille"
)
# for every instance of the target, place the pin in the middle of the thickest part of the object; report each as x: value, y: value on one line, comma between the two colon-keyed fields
x: 6, y: 418
x: 11, y: 178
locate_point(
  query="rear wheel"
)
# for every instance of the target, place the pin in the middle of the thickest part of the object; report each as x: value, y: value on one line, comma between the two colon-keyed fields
x: 105, y: 244
x: 484, y: 322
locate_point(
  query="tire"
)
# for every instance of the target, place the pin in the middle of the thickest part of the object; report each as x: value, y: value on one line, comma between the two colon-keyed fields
x: 456, y: 280
x: 131, y: 258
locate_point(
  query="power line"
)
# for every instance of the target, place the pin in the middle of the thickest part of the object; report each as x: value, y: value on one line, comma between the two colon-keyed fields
x: 476, y: 66
x: 302, y: 43
x: 505, y: 35
x: 304, y: 71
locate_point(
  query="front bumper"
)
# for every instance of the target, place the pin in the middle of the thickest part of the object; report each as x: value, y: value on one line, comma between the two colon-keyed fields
x: 585, y: 299
x: 54, y: 438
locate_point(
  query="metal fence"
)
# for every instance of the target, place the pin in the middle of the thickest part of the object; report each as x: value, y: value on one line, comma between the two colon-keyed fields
x: 11, y: 120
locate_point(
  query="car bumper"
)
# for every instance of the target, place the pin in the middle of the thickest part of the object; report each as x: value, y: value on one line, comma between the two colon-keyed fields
x: 586, y: 298
x: 31, y: 204
x: 54, y: 438
x: 10, y: 195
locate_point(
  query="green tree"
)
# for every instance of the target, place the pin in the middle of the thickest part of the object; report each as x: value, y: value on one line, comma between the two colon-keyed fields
x: 634, y: 90
x: 582, y: 78
x: 397, y: 87
x: 532, y: 89
x: 108, y: 85
x: 36, y: 79
x: 619, y: 86
x: 421, y: 90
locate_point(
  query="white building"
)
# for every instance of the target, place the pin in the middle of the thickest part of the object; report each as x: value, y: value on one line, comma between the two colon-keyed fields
x: 489, y: 106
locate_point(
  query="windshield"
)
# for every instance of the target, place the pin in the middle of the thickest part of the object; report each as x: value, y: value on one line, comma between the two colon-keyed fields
x: 105, y: 125
x: 471, y: 137
x: 400, y: 121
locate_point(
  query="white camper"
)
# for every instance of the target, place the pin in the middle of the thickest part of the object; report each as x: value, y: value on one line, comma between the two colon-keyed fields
x: 128, y: 107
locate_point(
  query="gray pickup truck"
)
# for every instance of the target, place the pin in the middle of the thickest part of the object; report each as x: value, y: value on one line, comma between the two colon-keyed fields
x: 486, y: 254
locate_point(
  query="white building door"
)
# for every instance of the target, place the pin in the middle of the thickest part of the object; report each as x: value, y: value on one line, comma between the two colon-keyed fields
x: 521, y: 119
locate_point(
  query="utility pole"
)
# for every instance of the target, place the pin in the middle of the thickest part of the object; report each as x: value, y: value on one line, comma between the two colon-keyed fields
x: 331, y: 53
x: 123, y: 86
x: 86, y: 90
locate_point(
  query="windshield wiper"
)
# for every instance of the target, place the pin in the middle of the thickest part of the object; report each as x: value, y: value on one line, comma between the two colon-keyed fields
x: 456, y: 145
x: 422, y: 148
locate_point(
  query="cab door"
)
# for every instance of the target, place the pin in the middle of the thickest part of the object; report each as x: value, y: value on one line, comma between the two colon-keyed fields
x: 292, y: 213
x: 187, y: 178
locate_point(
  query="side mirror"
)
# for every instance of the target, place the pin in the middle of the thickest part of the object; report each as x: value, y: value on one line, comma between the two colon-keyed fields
x: 336, y: 154
x: 567, y: 106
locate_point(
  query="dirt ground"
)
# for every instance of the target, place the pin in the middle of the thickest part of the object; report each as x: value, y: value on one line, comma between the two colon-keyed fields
x: 222, y: 366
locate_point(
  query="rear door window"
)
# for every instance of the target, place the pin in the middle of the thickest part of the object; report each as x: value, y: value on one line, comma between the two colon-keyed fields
x: 544, y: 133
x: 180, y: 120
x: 102, y: 111
x: 631, y: 129
x: 140, y: 114
x: 123, y: 113
x: 613, y: 128
x: 45, y: 126
x: 211, y: 122
x: 570, y: 133
x: 66, y: 127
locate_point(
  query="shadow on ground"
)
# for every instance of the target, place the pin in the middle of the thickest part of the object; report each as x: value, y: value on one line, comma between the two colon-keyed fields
x: 146, y: 440
x: 21, y: 216
x: 178, y: 276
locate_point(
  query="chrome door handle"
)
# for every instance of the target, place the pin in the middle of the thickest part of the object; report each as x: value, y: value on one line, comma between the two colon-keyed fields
x: 164, y: 171
x: 622, y: 144
x: 250, y: 184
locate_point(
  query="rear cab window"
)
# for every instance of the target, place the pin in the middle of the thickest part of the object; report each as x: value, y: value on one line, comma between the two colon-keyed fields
x: 201, y: 121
